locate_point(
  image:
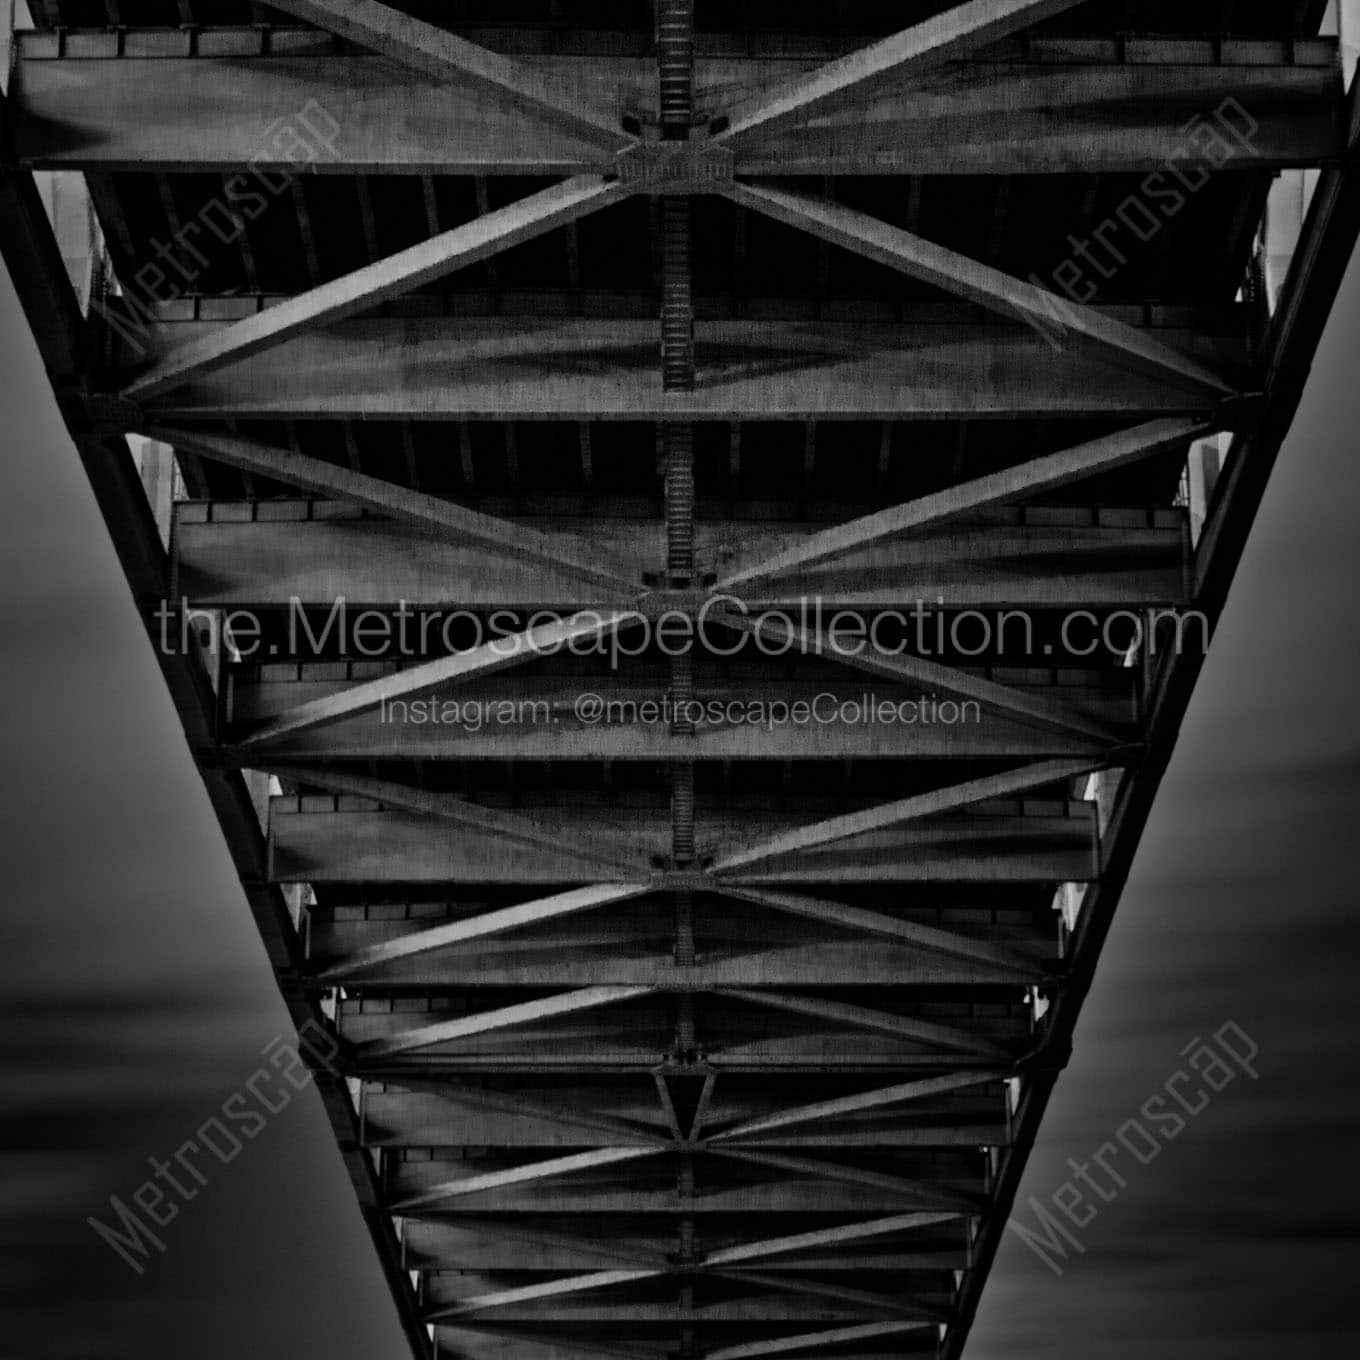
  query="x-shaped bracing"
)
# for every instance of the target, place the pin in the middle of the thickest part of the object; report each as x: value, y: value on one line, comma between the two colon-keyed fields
x: 840, y: 83
x: 626, y: 603
x: 625, y: 866
x: 700, y: 165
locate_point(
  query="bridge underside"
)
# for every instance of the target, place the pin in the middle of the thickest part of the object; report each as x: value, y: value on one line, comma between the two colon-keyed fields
x: 749, y: 451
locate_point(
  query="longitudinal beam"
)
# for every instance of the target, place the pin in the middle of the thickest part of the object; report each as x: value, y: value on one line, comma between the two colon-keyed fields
x: 481, y: 927
x: 840, y: 83
x: 1054, y: 317
x: 512, y: 650
x: 905, y: 810
x: 916, y: 670
x: 373, y: 493
x: 439, y: 53
x: 504, y: 1017
x: 996, y: 488
x: 411, y: 268
x: 844, y: 1107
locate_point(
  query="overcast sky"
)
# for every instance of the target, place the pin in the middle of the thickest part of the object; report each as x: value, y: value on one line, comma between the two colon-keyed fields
x: 137, y: 996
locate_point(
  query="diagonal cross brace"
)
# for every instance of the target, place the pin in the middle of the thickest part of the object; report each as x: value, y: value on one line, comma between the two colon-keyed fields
x: 436, y: 52
x: 515, y: 649
x: 843, y: 1106
x: 374, y: 283
x: 909, y: 809
x: 996, y: 488
x: 401, y: 502
x: 525, y: 1174
x: 920, y: 671
x: 490, y: 923
x: 618, y: 854
x: 505, y: 1017
x: 851, y: 79
x: 955, y: 273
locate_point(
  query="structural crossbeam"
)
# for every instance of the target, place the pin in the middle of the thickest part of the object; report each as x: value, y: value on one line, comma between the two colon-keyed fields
x: 995, y: 116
